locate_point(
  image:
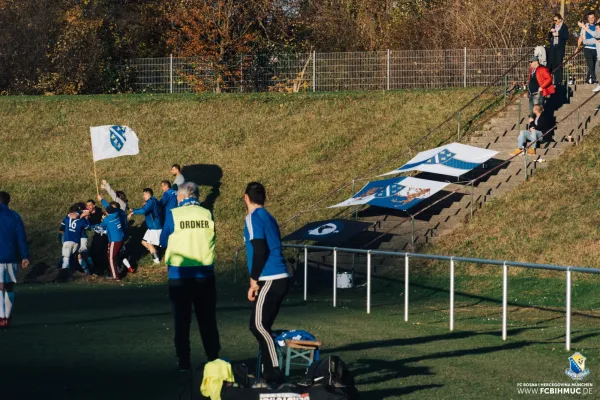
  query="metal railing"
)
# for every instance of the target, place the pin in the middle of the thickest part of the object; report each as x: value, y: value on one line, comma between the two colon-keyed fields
x: 452, y: 259
x: 314, y: 71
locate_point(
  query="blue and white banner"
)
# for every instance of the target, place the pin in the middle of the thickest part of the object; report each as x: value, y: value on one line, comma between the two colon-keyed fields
x: 110, y: 141
x: 453, y: 159
x: 397, y: 193
x: 332, y: 232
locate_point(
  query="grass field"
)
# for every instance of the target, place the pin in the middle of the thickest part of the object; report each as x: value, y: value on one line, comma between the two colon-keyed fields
x: 98, y: 342
x: 300, y: 146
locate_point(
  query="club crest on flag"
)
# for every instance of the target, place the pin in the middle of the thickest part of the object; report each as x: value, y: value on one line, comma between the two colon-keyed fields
x: 118, y: 137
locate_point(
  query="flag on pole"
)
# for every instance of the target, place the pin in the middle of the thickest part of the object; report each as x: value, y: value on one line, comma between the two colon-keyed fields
x: 110, y: 141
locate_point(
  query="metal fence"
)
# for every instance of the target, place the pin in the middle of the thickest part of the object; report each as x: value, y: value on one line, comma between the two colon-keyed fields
x: 452, y: 260
x: 377, y: 70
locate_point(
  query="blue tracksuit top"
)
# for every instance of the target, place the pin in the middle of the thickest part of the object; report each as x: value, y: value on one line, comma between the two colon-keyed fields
x: 168, y: 201
x: 114, y: 228
x: 13, y: 242
x: 152, y: 212
x: 122, y: 216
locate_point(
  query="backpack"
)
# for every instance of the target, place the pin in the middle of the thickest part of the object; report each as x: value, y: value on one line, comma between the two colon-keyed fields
x: 330, y: 371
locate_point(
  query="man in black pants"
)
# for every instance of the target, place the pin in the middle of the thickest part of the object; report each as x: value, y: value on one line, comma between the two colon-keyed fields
x: 586, y: 38
x: 188, y: 234
x: 269, y: 279
x: 558, y: 36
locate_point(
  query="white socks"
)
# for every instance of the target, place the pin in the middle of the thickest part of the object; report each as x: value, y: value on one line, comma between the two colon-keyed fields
x: 2, y: 312
x: 9, y: 299
x: 126, y: 263
x: 65, y: 263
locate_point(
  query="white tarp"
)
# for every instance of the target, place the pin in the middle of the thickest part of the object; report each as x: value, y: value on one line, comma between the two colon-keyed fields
x: 453, y: 159
x: 397, y: 193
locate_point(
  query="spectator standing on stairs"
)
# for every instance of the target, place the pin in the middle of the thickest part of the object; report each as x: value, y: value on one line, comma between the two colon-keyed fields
x: 539, y: 84
x: 537, y: 127
x: 558, y: 36
x: 596, y: 35
x: 586, y: 38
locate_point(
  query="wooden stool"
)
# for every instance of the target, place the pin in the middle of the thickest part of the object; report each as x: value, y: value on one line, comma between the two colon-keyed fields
x: 302, y: 349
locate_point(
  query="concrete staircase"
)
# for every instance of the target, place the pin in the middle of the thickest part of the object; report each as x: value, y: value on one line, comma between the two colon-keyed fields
x: 393, y: 231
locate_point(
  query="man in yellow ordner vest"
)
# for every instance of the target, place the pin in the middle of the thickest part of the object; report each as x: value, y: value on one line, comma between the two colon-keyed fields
x: 188, y: 235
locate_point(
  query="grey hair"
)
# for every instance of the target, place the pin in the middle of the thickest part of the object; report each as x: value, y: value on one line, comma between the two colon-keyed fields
x: 188, y: 190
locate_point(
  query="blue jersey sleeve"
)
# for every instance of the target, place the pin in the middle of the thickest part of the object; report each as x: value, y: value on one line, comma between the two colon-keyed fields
x: 22, y: 239
x: 63, y: 224
x: 255, y: 226
x: 145, y: 210
x: 105, y: 203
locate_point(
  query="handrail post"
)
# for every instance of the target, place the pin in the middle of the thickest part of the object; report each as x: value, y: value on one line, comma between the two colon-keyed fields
x: 369, y: 282
x: 568, y: 316
x: 504, y: 298
x: 458, y: 130
x: 334, y: 276
x: 451, y: 294
x: 406, y: 287
x: 518, y: 115
x: 305, y: 270
x: 567, y: 82
x: 525, y: 160
x: 412, y: 224
x: 472, y: 196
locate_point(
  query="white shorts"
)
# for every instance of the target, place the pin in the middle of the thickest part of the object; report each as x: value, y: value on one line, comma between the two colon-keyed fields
x: 152, y: 236
x: 83, y: 245
x: 8, y: 273
x: 69, y: 248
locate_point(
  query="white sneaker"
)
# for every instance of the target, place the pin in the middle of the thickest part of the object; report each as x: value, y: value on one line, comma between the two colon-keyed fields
x: 156, y: 261
x: 596, y: 89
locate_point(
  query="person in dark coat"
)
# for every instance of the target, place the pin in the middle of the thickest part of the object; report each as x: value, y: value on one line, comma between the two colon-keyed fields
x: 558, y: 36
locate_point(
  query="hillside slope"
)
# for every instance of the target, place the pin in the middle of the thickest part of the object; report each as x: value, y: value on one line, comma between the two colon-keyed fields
x: 300, y: 146
x: 553, y: 218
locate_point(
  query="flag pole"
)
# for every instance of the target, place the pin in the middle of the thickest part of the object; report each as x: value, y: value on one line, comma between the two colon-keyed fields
x: 95, y: 172
x: 96, y: 180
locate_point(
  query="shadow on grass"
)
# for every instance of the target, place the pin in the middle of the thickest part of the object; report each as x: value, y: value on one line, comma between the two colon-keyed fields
x: 394, y: 393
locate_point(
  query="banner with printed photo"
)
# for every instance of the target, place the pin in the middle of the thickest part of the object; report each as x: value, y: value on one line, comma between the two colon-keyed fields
x: 397, y: 193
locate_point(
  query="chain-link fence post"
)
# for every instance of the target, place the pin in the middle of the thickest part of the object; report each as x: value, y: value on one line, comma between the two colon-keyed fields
x: 388, y: 69
x: 465, y: 68
x: 314, y: 71
x: 171, y: 74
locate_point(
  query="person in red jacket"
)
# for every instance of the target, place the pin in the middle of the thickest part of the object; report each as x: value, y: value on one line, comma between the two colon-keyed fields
x: 539, y: 84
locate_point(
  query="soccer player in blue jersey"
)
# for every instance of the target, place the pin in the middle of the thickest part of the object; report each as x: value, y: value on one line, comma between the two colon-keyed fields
x: 13, y: 247
x: 269, y: 278
x: 151, y: 210
x: 120, y: 251
x: 71, y: 228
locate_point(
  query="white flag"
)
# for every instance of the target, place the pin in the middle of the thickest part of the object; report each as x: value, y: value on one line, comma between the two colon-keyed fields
x: 110, y: 141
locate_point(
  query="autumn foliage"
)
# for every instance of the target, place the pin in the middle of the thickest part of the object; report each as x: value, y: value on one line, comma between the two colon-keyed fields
x: 82, y: 46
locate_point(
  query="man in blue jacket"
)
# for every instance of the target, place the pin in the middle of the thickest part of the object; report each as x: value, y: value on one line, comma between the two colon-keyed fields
x: 168, y: 201
x: 113, y: 224
x: 13, y: 246
x: 151, y: 210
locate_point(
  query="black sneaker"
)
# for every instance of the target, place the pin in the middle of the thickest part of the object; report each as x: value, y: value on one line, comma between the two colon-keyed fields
x: 185, y: 365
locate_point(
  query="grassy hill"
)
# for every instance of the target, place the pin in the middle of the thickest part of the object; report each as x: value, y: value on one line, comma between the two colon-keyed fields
x: 553, y: 218
x: 300, y: 146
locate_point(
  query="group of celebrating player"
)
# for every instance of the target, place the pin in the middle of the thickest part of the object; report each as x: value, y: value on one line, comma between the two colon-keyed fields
x: 110, y: 227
